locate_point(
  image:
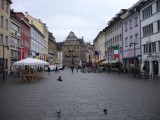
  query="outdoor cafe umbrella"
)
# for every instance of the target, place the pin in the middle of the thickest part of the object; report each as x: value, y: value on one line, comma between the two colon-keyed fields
x: 30, y: 61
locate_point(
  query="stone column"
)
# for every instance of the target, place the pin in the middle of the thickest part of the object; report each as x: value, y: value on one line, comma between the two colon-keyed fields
x: 151, y: 68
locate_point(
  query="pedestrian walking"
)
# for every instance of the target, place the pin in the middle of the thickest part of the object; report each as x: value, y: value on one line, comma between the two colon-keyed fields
x: 77, y: 68
x: 49, y: 70
x: 18, y: 71
x: 56, y: 70
x: 72, y: 68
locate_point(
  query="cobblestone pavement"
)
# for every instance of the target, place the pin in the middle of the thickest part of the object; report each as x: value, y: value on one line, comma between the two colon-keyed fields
x: 81, y: 96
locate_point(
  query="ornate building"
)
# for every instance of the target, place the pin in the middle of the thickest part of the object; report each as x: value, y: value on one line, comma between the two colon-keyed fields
x: 74, y: 50
x: 52, y: 49
x: 59, y: 52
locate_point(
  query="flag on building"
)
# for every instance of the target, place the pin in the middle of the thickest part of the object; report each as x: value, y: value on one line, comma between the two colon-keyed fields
x: 116, y: 51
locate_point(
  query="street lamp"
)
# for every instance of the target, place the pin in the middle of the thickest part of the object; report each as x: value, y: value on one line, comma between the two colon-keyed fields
x: 3, y: 61
x: 134, y: 44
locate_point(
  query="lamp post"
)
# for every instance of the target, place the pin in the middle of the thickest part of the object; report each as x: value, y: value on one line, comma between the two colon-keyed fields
x: 134, y: 44
x: 3, y: 62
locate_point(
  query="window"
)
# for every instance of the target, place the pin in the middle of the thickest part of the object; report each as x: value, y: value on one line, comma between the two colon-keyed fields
x: 15, y: 27
x: 147, y: 12
x: 1, y: 21
x: 158, y: 25
x: 147, y: 30
x: 12, y: 53
x: 117, y: 38
x: 158, y: 5
x: 1, y: 39
x: 2, y: 4
x: 136, y: 38
x: 126, y: 42
x: 149, y: 48
x: 6, y: 24
x: 126, y: 29
x: 7, y: 6
x: 130, y: 24
x: 131, y: 39
x: 136, y: 21
x: 6, y: 41
x: 120, y: 37
x: 153, y: 46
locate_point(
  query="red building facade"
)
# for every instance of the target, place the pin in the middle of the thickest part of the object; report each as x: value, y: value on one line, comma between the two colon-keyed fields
x: 25, y: 36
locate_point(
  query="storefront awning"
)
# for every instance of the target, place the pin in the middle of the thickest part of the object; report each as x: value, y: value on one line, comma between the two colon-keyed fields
x: 110, y: 61
x: 99, y: 61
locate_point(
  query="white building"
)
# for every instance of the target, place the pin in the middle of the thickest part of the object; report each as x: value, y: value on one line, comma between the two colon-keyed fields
x: 59, y: 52
x: 113, y: 37
x: 131, y: 37
x: 150, y: 36
x: 37, y: 43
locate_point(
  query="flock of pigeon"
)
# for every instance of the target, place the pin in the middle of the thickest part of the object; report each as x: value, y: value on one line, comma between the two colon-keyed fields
x: 59, y: 112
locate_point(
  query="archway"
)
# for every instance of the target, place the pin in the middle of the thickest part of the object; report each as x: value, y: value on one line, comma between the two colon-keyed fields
x: 155, y: 67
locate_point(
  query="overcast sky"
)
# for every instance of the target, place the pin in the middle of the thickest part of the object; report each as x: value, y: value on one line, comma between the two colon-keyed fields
x: 84, y: 17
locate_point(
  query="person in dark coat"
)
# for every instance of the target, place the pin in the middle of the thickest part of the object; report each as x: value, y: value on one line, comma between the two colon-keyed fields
x: 72, y: 68
x: 56, y: 70
x: 49, y: 70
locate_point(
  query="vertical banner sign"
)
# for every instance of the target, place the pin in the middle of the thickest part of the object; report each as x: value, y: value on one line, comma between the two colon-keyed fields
x: 116, y: 48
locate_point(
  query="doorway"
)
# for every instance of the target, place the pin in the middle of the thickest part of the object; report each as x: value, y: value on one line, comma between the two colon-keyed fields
x: 155, y: 67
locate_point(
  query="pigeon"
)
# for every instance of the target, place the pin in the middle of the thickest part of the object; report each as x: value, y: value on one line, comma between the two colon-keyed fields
x: 105, y: 111
x: 58, y: 112
x: 59, y: 79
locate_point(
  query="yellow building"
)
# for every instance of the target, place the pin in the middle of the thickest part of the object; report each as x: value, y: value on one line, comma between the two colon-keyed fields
x: 99, y: 46
x: 43, y: 29
x: 4, y: 35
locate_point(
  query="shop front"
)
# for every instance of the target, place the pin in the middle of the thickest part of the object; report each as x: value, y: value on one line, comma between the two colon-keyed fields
x: 152, y: 63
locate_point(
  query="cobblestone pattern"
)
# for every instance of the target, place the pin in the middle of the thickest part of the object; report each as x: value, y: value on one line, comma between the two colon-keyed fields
x: 81, y: 96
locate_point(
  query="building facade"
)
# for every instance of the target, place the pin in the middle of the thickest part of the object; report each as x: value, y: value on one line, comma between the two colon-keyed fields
x: 15, y: 35
x: 113, y: 36
x: 74, y: 51
x: 4, y: 34
x: 89, y: 54
x: 25, y: 36
x: 37, y: 43
x: 59, y: 52
x: 99, y: 46
x: 43, y: 29
x: 150, y: 36
x: 52, y: 51
x: 131, y: 37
